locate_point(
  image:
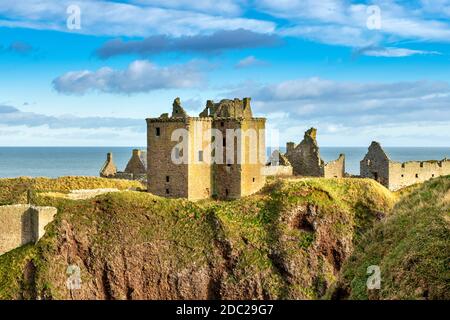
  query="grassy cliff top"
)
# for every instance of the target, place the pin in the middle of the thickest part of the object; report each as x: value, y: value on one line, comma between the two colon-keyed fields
x: 14, y: 190
x: 411, y: 248
x: 287, y: 241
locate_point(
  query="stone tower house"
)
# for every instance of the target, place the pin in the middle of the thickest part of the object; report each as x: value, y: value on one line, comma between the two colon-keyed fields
x: 212, y: 155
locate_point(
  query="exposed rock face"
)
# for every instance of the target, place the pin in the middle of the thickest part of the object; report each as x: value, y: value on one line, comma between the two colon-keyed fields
x: 287, y: 243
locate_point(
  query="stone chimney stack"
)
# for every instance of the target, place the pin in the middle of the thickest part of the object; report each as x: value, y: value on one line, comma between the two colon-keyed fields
x: 136, y: 152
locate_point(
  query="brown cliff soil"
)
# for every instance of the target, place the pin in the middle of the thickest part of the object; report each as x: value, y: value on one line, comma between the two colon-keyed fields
x: 287, y: 242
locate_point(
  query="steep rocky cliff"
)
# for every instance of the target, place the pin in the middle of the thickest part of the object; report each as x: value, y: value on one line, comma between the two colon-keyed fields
x: 288, y: 241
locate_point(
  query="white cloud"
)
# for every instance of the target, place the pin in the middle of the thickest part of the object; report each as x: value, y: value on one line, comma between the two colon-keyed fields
x: 392, y: 52
x: 120, y: 19
x: 350, y: 104
x: 139, y: 76
x: 249, y: 61
x: 340, y: 22
x: 13, y: 117
x: 223, y: 7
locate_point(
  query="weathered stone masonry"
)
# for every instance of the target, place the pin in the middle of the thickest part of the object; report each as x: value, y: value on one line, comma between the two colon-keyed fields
x: 198, y: 177
x: 395, y: 175
x: 306, y: 161
x: 136, y: 168
x: 22, y: 224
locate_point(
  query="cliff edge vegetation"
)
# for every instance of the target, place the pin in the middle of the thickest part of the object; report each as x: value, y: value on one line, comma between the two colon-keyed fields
x: 287, y: 242
x: 411, y: 248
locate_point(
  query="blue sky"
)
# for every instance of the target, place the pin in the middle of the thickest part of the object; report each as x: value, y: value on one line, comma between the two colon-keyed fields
x: 357, y: 70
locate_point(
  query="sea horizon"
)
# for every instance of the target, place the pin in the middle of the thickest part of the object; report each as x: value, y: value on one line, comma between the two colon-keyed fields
x: 57, y: 161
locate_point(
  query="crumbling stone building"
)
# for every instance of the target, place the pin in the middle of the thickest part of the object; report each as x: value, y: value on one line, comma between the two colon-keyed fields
x: 183, y: 151
x: 278, y: 165
x: 395, y: 175
x: 136, y: 168
x: 306, y: 161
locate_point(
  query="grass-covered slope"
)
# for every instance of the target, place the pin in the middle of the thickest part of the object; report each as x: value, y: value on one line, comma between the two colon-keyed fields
x: 412, y: 249
x: 288, y: 241
x: 15, y: 190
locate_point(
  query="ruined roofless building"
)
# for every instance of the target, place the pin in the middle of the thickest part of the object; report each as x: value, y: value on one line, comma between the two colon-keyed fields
x: 306, y: 161
x: 395, y: 175
x: 196, y: 173
x: 136, y: 168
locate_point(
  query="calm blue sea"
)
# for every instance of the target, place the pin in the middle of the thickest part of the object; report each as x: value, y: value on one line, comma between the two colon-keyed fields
x: 87, y: 161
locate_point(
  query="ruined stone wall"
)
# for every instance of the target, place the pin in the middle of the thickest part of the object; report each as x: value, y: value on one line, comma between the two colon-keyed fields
x: 108, y: 169
x: 306, y: 161
x: 335, y: 168
x: 253, y: 154
x: 199, y: 171
x: 165, y: 178
x: 395, y: 175
x: 135, y: 165
x: 411, y: 172
x: 22, y: 224
x: 277, y: 171
x: 227, y: 176
x: 375, y: 165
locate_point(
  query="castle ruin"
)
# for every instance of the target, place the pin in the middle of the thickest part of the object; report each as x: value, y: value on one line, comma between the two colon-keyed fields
x: 396, y: 175
x: 136, y: 168
x: 306, y: 161
x: 184, y: 152
x: 22, y: 224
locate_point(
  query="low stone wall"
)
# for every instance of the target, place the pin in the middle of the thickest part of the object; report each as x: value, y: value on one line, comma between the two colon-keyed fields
x: 89, y: 193
x: 21, y: 224
x: 335, y: 168
x: 277, y: 171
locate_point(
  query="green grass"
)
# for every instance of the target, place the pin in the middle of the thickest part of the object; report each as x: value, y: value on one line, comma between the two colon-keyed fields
x: 249, y: 244
x: 15, y: 190
x: 411, y: 247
